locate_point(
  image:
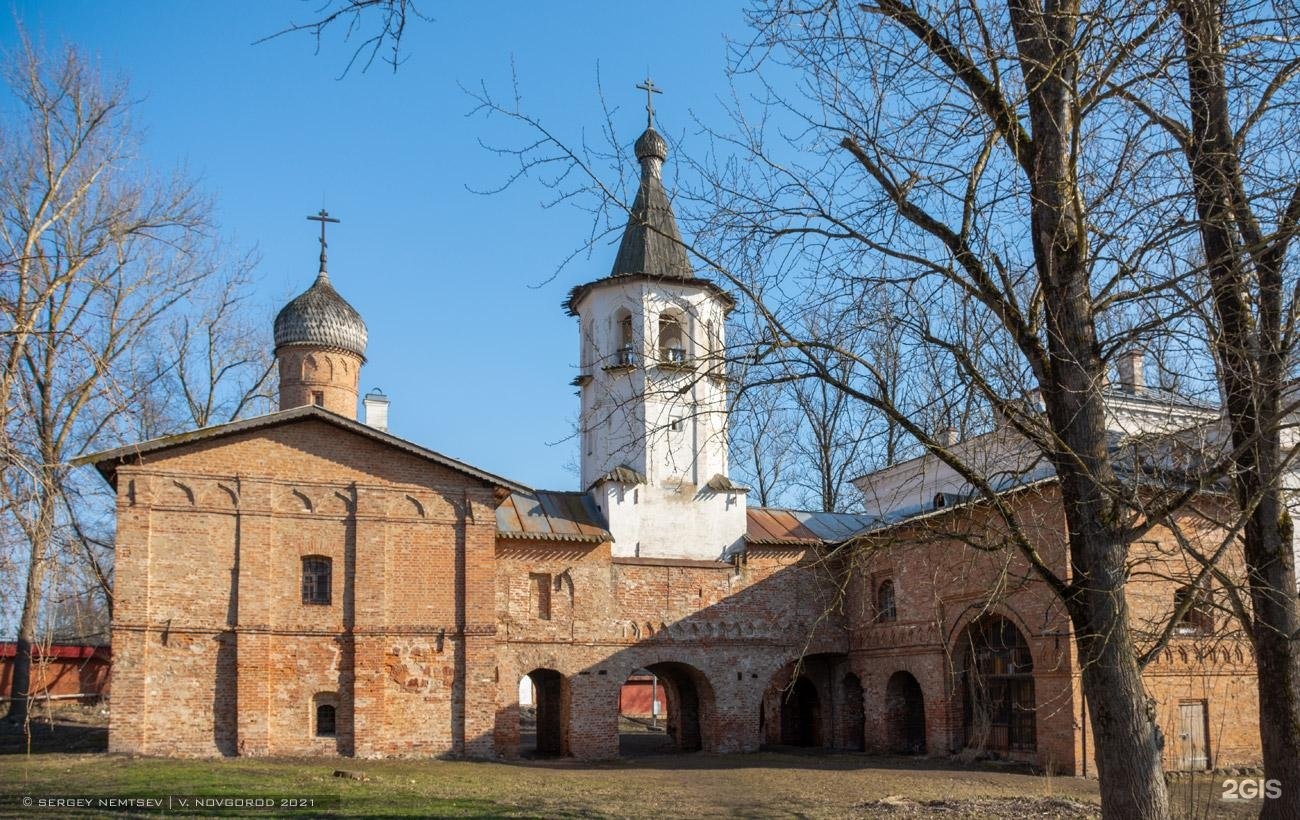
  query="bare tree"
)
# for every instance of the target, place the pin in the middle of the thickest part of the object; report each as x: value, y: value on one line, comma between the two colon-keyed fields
x: 96, y: 253
x: 1235, y: 127
x: 379, y: 25
x: 763, y: 430
x: 830, y: 444
x: 217, y: 357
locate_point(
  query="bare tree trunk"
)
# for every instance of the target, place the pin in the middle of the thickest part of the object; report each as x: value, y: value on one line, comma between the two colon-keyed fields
x: 38, y: 555
x: 1250, y: 348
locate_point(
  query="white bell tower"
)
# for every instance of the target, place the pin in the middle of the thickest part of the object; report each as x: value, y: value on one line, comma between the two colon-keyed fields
x: 653, y: 388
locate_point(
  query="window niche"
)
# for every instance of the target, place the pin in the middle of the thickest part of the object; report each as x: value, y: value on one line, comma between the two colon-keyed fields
x: 325, y: 707
x: 539, y: 595
x: 672, y: 339
x: 1198, y: 619
x: 316, y: 580
x: 625, y: 340
x: 886, y: 609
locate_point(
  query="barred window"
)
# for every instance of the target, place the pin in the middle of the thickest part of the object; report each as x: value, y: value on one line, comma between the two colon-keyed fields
x: 316, y: 579
x: 885, y: 608
x: 325, y: 720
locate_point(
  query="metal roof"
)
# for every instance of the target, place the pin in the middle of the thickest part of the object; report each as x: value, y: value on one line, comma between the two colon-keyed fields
x: 320, y: 317
x: 107, y: 461
x: 651, y: 248
x: 651, y: 242
x: 549, y: 515
x: 770, y: 525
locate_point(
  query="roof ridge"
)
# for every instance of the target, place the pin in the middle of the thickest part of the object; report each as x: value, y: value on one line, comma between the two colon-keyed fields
x: 104, y: 461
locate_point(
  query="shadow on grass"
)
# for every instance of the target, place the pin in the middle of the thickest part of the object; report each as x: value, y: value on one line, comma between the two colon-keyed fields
x: 773, y: 757
x: 51, y: 737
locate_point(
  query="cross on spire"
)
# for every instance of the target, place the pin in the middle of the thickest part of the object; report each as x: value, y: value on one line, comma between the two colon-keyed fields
x: 650, y: 90
x: 322, y: 217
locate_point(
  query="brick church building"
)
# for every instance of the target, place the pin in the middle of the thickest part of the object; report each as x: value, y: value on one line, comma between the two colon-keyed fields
x: 307, y: 583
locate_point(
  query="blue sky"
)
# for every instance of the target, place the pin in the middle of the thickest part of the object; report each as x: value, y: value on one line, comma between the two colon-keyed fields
x: 466, y: 332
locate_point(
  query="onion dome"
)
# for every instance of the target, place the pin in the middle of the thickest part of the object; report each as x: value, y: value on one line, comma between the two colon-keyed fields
x: 650, y: 144
x: 319, y: 317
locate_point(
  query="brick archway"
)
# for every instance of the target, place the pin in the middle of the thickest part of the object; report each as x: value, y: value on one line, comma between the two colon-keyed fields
x: 690, y: 713
x: 801, y: 714
x: 853, y: 720
x: 905, y: 714
x: 550, y: 737
x: 996, y: 684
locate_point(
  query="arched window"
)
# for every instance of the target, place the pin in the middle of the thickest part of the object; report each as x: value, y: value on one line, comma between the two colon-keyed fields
x: 1197, y: 620
x: 885, y: 608
x: 625, y: 353
x: 325, y: 720
x: 316, y: 572
x: 998, y: 687
x: 672, y: 341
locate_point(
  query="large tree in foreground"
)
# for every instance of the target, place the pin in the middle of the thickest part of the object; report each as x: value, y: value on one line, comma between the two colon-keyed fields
x: 1234, y: 123
x: 96, y: 258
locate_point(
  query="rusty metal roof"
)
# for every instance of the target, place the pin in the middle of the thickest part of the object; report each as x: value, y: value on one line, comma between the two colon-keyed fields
x: 549, y: 515
x: 773, y: 526
x: 722, y: 484
x: 622, y: 474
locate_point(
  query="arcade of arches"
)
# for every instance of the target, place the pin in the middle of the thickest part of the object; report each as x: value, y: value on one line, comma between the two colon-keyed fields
x: 819, y: 701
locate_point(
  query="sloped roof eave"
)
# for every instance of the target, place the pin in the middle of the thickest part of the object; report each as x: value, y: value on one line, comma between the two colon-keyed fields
x: 107, y: 461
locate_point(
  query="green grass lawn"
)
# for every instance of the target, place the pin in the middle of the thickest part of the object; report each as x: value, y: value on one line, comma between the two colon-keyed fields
x: 699, y: 785
x: 763, y: 785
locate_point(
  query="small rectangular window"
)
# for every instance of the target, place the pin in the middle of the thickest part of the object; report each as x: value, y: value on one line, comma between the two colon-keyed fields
x: 318, y: 398
x: 540, y: 595
x: 677, y: 424
x: 316, y: 571
x: 325, y: 720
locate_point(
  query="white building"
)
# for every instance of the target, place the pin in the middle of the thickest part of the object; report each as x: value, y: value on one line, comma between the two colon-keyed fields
x: 654, y: 390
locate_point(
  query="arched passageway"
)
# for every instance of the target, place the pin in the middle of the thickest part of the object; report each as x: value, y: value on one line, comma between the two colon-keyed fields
x: 815, y: 702
x: 852, y: 720
x: 643, y: 716
x: 543, y: 723
x: 683, y: 722
x: 905, y: 714
x: 801, y: 714
x: 998, y: 707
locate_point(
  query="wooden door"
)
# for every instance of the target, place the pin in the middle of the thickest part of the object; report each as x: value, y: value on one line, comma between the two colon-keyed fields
x: 1193, y: 751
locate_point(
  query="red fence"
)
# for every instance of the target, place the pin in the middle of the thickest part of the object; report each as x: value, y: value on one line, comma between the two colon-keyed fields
x: 60, y: 669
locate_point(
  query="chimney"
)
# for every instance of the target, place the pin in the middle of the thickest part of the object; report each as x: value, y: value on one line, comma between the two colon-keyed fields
x: 1131, y: 379
x: 947, y: 436
x: 377, y: 410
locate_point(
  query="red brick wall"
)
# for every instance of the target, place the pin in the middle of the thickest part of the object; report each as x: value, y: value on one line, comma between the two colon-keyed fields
x: 432, y: 620
x: 941, y: 583
x: 211, y: 540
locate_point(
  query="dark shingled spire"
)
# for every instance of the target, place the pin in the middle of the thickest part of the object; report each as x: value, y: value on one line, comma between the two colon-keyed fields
x: 651, y: 242
x: 652, y: 248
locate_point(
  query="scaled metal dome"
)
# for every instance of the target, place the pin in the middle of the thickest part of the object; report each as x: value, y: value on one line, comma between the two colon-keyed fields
x: 650, y: 144
x: 319, y: 317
